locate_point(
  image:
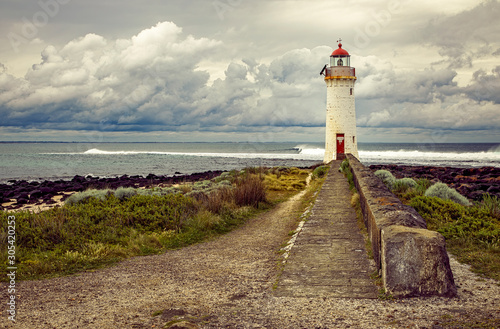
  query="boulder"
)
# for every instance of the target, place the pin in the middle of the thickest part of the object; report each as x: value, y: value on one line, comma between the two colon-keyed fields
x: 36, y: 194
x: 47, y: 190
x: 21, y: 196
x: 475, y: 195
x: 78, y: 179
x: 416, y: 263
x: 495, y: 189
x: 75, y: 187
x: 22, y: 200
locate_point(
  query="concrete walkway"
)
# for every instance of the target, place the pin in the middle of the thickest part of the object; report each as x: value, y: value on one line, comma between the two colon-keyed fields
x: 329, y: 257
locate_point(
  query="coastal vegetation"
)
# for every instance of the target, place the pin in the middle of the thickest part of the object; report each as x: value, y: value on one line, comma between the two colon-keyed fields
x: 99, y: 227
x: 471, y: 229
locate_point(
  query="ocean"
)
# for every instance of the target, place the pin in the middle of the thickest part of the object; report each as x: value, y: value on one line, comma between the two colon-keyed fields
x: 52, y: 161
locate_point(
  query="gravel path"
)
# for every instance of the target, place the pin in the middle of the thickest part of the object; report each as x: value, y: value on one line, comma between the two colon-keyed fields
x: 228, y: 283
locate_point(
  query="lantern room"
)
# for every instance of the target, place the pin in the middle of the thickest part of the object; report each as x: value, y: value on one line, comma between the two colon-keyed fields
x: 340, y: 57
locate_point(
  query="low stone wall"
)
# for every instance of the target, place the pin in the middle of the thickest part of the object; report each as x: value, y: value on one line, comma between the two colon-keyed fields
x: 412, y: 260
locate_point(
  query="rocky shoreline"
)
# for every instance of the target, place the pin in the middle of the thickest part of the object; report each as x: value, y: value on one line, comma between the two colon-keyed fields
x: 20, y: 193
x: 470, y: 182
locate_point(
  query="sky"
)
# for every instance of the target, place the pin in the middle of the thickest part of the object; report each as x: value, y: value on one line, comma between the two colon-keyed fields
x: 246, y: 70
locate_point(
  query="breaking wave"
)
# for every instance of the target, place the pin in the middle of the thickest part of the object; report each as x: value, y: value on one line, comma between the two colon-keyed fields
x: 302, y: 154
x: 414, y: 157
x: 406, y: 156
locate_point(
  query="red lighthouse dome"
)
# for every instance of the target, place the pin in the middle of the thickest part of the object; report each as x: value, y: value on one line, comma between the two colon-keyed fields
x: 339, y: 52
x: 340, y: 57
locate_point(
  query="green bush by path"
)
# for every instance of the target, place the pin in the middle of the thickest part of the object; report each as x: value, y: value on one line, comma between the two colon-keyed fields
x: 407, y: 188
x: 472, y: 233
x: 345, y: 168
x: 403, y: 185
x: 444, y: 192
x: 320, y: 172
x: 387, y: 177
x: 491, y: 204
x: 83, y: 196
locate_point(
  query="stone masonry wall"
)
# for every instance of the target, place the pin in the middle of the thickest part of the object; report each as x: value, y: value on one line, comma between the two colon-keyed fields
x: 412, y: 260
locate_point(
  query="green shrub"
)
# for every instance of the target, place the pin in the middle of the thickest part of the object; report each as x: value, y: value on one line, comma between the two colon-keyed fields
x: 224, y: 183
x: 456, y: 221
x: 123, y: 193
x: 85, y: 195
x: 218, y: 199
x: 203, y: 221
x: 250, y: 191
x: 253, y: 171
x: 409, y: 182
x: 203, y: 185
x: 437, y: 211
x: 406, y: 190
x: 227, y: 176
x: 320, y: 172
x: 403, y: 185
x: 444, y: 192
x: 491, y: 204
x: 422, y: 185
x: 386, y: 177
x: 344, y: 166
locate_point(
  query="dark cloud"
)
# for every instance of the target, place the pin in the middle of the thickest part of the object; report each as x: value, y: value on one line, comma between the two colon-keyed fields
x: 485, y: 87
x: 467, y: 36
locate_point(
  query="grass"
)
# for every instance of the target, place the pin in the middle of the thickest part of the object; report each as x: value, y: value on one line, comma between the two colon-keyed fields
x: 345, y: 168
x: 98, y: 228
x: 471, y: 230
x: 472, y: 233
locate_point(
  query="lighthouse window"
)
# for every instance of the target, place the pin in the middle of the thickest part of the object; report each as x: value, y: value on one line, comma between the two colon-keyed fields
x: 351, y: 92
x: 340, y: 62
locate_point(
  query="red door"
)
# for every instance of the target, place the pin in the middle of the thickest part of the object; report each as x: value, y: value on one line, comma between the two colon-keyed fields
x: 340, y: 145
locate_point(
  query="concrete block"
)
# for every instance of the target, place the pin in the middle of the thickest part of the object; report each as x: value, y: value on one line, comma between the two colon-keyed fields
x: 415, y: 263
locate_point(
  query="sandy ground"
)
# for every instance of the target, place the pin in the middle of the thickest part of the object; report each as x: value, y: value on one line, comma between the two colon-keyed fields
x: 57, y: 202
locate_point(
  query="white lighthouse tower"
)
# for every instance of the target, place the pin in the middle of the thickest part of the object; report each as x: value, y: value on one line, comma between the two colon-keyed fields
x: 341, y: 135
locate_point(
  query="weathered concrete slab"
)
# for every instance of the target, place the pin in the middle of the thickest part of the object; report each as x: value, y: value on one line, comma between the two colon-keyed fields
x: 329, y: 257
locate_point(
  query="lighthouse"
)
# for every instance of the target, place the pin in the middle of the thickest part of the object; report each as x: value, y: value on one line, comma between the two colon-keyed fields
x: 341, y: 135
